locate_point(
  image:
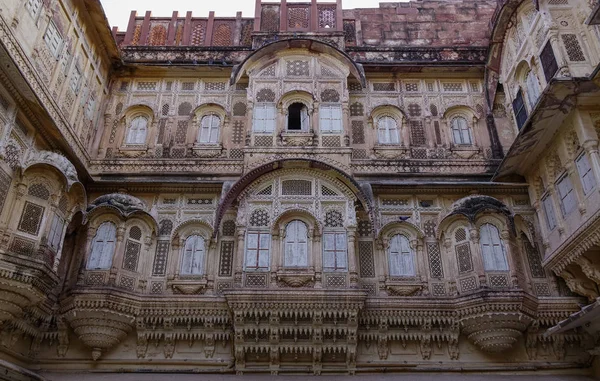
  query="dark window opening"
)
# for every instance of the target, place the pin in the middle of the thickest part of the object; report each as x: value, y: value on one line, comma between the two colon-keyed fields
x: 548, y: 62
x: 297, y: 117
x: 520, y: 110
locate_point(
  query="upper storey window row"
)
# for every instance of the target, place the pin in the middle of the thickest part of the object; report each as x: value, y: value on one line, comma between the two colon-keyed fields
x: 297, y: 118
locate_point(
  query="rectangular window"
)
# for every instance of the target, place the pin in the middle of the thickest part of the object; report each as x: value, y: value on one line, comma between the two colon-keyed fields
x: 586, y: 175
x: 330, y: 119
x: 33, y: 6
x: 264, y: 118
x: 257, y: 251
x: 520, y: 110
x: 492, y: 249
x: 56, y: 230
x: 75, y: 79
x: 549, y: 212
x: 568, y: 201
x: 549, y: 63
x: 89, y: 108
x: 64, y: 63
x: 53, y: 39
x: 335, y: 256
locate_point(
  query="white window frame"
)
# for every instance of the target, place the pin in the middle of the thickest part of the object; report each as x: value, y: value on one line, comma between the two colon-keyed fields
x: 192, y: 256
x: 461, y: 132
x: 566, y: 194
x: 55, y: 236
x: 53, y: 39
x: 493, y: 251
x: 90, y: 107
x: 102, y: 249
x: 210, y: 126
x: 533, y: 88
x: 34, y: 7
x: 549, y: 212
x: 296, y: 244
x: 400, y: 253
x: 586, y: 175
x: 264, y: 118
x: 75, y: 79
x: 137, y: 131
x: 339, y: 253
x: 330, y: 119
x: 388, y: 130
x: 254, y: 256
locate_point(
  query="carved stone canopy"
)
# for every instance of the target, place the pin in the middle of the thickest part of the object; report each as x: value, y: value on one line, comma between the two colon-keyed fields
x: 125, y: 203
x: 472, y: 206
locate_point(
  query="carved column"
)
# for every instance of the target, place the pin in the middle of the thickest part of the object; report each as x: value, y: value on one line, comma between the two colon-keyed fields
x: 118, y: 256
x: 563, y: 65
x: 476, y: 256
x: 239, y: 258
x: 352, y: 268
x: 91, y: 233
x: 318, y: 259
x: 211, y: 268
x: 510, y: 258
x: 276, y: 259
x: 347, y: 127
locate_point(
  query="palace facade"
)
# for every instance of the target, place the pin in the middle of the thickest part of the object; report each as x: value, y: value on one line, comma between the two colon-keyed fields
x: 313, y: 190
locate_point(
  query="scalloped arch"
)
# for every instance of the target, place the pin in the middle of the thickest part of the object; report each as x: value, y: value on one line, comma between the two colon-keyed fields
x: 194, y: 221
x: 402, y: 226
x: 299, y: 43
x: 312, y: 219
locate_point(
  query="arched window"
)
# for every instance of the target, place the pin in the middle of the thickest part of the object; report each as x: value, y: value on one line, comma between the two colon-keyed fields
x: 103, y: 247
x: 192, y: 262
x: 137, y: 131
x: 402, y: 261
x: 388, y: 130
x: 209, y: 129
x: 298, y: 117
x: 296, y: 244
x: 492, y: 249
x: 461, y: 133
x: 533, y: 89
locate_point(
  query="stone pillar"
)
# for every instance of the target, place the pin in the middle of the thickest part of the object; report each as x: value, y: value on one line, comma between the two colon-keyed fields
x: 352, y: 268
x: 476, y: 256
x: 117, y: 257
x: 239, y: 257
x: 563, y: 65
x: 510, y: 257
x: 317, y: 255
x: 347, y: 125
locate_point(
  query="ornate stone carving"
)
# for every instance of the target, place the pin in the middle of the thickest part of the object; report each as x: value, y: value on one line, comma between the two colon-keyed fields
x: 100, y: 321
x: 497, y: 325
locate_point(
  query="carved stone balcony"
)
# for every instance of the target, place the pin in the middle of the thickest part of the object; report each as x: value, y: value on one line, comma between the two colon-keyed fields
x: 23, y: 283
x: 100, y: 319
x: 494, y: 321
